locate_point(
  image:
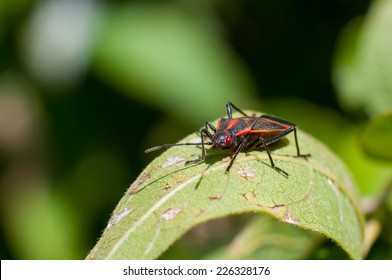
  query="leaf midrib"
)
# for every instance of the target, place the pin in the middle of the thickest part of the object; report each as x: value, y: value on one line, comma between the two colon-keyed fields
x: 245, y: 158
x: 148, y: 213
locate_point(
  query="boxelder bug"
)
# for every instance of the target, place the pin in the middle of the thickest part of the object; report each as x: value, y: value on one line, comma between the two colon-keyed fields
x: 242, y: 134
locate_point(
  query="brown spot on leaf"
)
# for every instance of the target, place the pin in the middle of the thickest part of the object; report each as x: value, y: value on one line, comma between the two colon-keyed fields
x: 246, y: 172
x: 251, y: 198
x: 139, y: 181
x: 115, y: 219
x: 170, y: 214
x: 283, y: 213
x: 289, y: 219
x: 166, y: 187
x: 178, y: 182
x: 172, y: 161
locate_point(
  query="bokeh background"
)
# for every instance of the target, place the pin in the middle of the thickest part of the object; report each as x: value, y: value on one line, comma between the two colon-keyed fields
x: 86, y: 86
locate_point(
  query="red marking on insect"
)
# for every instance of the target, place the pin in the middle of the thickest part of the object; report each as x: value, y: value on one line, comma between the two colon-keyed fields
x: 242, y: 134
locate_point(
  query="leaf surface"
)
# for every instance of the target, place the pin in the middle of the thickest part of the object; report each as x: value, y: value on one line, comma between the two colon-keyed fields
x: 263, y: 237
x: 169, y: 197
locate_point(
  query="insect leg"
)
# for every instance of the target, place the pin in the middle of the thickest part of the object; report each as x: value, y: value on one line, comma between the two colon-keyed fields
x: 284, y: 173
x: 240, y: 146
x: 229, y: 107
x: 203, y: 132
x: 297, y: 146
x: 210, y: 126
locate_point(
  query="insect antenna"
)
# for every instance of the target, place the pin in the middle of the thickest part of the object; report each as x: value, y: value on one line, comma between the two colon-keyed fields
x: 165, y: 146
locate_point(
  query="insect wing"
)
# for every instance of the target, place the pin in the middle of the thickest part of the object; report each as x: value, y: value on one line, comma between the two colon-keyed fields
x: 237, y: 126
x: 271, y: 128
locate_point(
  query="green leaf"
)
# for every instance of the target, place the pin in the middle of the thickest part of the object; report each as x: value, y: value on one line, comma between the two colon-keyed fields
x: 265, y: 238
x: 376, y: 135
x: 363, y: 62
x: 169, y: 198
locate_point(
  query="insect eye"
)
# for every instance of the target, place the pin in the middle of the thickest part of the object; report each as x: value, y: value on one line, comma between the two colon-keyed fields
x: 229, y: 140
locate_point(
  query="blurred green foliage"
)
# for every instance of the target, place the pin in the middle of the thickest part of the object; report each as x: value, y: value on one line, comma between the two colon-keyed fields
x: 86, y: 86
x: 375, y: 136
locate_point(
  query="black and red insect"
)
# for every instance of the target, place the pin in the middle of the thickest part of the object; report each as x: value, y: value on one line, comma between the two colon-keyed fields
x: 242, y: 134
